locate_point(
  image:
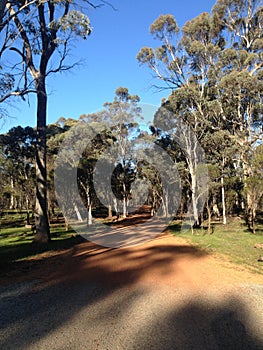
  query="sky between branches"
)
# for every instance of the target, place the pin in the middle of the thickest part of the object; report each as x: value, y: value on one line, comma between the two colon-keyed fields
x: 108, y: 61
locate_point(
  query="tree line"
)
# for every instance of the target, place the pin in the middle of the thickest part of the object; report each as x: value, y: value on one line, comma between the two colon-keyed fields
x: 134, y: 179
x: 212, y: 70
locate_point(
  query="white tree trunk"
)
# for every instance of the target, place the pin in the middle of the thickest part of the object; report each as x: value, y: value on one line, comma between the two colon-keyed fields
x: 194, y: 197
x: 124, y: 202
x: 12, y: 201
x: 124, y: 207
x: 223, y: 200
x: 77, y: 213
x: 89, y: 214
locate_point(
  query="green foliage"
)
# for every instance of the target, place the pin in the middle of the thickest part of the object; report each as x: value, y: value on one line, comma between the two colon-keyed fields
x: 74, y: 22
x: 213, y: 65
x: 146, y: 55
x: 164, y: 26
x: 254, y: 183
x: 18, y: 173
x: 229, y: 242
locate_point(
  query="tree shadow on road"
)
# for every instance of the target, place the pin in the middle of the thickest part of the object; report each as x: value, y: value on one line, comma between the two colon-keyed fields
x: 88, y: 292
x: 202, y: 325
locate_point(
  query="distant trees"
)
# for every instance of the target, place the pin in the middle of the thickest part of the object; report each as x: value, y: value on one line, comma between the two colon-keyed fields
x: 122, y: 114
x: 18, y: 172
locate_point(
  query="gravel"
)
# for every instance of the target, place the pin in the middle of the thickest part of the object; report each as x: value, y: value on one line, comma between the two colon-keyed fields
x: 84, y: 315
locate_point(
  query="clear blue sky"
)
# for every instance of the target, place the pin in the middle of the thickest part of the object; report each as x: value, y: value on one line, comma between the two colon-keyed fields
x: 110, y: 60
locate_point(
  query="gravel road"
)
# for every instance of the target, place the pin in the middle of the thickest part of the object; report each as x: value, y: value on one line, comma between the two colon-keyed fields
x: 162, y: 295
x: 84, y: 315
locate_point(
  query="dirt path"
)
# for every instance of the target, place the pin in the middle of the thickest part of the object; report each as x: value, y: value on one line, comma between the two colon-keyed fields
x: 164, y: 294
x: 166, y: 260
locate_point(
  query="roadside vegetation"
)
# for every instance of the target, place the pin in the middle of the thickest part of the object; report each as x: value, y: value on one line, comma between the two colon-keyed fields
x: 16, y: 240
x: 232, y: 242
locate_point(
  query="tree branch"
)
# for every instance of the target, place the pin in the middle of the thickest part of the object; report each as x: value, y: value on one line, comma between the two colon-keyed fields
x: 27, y: 4
x: 100, y: 5
x: 29, y: 57
x: 16, y: 93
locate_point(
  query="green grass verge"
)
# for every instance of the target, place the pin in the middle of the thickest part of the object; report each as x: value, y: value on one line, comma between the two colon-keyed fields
x: 232, y: 241
x: 16, y: 243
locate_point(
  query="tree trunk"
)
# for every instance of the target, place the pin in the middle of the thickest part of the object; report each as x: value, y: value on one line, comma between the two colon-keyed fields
x: 124, y: 202
x: 124, y: 207
x: 79, y: 217
x: 154, y: 204
x: 2, y: 10
x: 41, y: 214
x: 89, y: 207
x: 249, y: 205
x: 223, y: 200
x: 109, y: 211
x: 12, y: 201
x: 209, y: 217
x: 89, y: 214
x: 165, y: 205
x: 253, y: 220
x: 27, y: 211
x: 66, y: 223
x: 249, y: 218
x: 194, y: 199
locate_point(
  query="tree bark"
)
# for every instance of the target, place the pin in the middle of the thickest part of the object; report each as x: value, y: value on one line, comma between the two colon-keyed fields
x: 79, y: 217
x: 12, y: 201
x: 89, y: 208
x: 209, y: 217
x: 2, y: 9
x: 253, y: 220
x: 41, y: 214
x: 109, y: 211
x: 223, y: 200
x: 89, y: 214
x: 194, y: 198
x: 124, y: 207
x: 124, y: 202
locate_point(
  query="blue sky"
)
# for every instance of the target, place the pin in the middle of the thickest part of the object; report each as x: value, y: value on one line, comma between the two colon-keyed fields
x: 109, y: 55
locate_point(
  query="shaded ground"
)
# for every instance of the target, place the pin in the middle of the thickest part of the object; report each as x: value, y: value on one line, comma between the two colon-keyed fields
x: 165, y: 260
x: 164, y: 294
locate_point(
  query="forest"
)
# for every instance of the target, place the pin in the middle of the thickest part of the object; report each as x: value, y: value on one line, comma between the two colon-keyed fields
x: 133, y: 224
x: 210, y: 126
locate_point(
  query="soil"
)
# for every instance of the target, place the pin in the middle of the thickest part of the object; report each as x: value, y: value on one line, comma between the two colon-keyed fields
x: 163, y: 294
x: 166, y: 260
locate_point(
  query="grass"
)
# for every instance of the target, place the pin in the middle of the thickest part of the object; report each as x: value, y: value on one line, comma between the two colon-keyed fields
x: 16, y: 243
x: 232, y: 241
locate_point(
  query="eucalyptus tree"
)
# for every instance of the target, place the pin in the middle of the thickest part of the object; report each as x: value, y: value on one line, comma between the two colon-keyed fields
x: 55, y: 135
x: 221, y: 153
x: 181, y: 62
x: 213, y: 66
x: 254, y: 186
x: 239, y: 79
x: 18, y: 147
x: 122, y: 114
x: 39, y: 35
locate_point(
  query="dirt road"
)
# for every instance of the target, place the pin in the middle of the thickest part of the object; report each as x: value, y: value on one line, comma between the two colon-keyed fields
x: 164, y: 294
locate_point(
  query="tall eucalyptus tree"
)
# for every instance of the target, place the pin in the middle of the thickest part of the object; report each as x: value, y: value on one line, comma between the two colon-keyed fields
x: 39, y: 33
